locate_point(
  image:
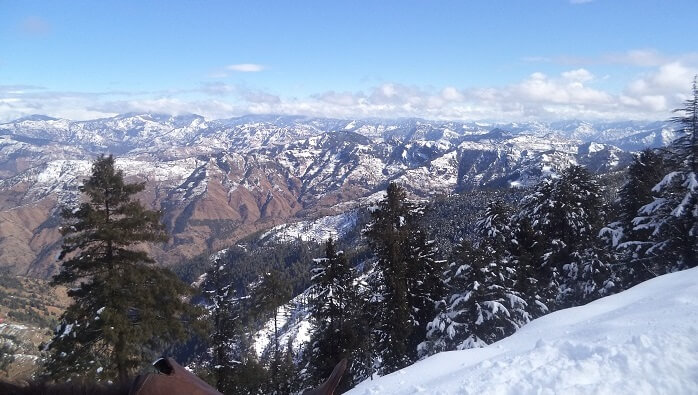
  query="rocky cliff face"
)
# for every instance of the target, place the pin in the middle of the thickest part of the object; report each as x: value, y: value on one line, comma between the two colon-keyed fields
x: 218, y: 181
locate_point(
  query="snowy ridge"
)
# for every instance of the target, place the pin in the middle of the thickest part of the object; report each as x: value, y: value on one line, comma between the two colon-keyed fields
x: 640, y: 341
x: 323, y: 154
x: 220, y: 180
x: 319, y: 230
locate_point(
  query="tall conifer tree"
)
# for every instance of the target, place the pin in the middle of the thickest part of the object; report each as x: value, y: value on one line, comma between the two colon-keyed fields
x: 271, y: 293
x: 333, y: 310
x: 484, y: 305
x: 565, y: 214
x: 125, y: 311
x: 388, y: 234
x: 672, y: 217
x: 227, y: 341
x: 629, y: 244
x: 408, y: 279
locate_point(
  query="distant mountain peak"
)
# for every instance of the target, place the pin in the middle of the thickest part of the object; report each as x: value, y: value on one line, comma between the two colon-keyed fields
x: 34, y: 118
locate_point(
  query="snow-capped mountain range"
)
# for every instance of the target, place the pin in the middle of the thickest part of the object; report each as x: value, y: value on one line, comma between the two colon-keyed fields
x: 219, y: 180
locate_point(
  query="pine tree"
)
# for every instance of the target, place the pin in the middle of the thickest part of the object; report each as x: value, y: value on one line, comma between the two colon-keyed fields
x: 484, y: 305
x: 333, y: 310
x: 426, y: 285
x: 526, y: 252
x: 226, y: 338
x: 388, y: 234
x: 672, y: 217
x: 248, y: 377
x: 482, y: 308
x: 495, y: 231
x: 646, y: 170
x: 124, y: 310
x: 287, y: 375
x: 271, y: 293
x: 565, y: 213
x: 407, y: 281
x: 495, y: 228
x: 367, y: 314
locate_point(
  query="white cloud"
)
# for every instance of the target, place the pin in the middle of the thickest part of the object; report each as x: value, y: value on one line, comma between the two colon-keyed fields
x: 579, y: 75
x: 580, y: 1
x: 246, y: 67
x: 209, y: 108
x: 450, y: 93
x: 661, y: 90
x: 574, y: 93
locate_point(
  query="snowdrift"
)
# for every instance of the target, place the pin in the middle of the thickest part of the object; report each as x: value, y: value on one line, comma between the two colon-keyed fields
x: 640, y: 341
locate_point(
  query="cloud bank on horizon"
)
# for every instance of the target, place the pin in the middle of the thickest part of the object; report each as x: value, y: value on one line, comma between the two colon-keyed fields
x: 579, y: 59
x: 572, y: 94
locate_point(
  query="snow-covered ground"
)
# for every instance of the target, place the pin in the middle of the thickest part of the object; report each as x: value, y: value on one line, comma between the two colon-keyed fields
x: 293, y: 324
x: 319, y: 230
x: 641, y: 341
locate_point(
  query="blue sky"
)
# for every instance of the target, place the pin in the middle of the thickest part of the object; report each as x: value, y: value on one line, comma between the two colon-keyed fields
x: 500, y: 60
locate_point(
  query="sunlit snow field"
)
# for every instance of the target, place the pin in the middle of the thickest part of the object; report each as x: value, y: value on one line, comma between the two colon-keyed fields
x: 641, y: 341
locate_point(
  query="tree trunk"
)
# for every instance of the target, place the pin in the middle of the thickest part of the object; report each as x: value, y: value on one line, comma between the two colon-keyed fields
x: 119, y: 352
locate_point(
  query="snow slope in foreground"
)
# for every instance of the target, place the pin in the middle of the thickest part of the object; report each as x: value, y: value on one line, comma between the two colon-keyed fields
x: 641, y: 341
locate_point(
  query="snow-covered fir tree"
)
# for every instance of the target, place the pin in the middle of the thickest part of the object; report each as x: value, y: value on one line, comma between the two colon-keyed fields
x: 672, y: 217
x: 526, y: 249
x: 484, y: 305
x: 495, y: 231
x: 426, y: 284
x: 628, y: 243
x: 387, y: 235
x: 495, y: 227
x: 481, y: 309
x: 565, y: 212
x: 272, y: 291
x: 227, y: 338
x: 333, y: 309
x: 406, y: 279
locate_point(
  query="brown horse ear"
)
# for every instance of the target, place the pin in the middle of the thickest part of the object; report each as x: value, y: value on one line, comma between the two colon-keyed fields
x: 163, y: 366
x: 174, y: 380
x: 328, y: 387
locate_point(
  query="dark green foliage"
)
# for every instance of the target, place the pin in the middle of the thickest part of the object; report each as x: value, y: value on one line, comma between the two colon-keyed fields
x: 483, y: 307
x: 683, y: 152
x: 286, y: 379
x: 566, y: 214
x: 124, y: 311
x: 526, y: 249
x: 425, y: 283
x: 646, y: 170
x: 407, y: 282
x: 249, y: 377
x: 7, y: 350
x: 227, y: 333
x: 388, y: 235
x: 268, y: 296
x: 334, y: 308
x: 241, y: 290
x: 448, y: 219
x: 249, y: 260
x: 671, y: 219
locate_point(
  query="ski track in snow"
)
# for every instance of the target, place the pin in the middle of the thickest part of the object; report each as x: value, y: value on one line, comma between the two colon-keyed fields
x: 641, y: 341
